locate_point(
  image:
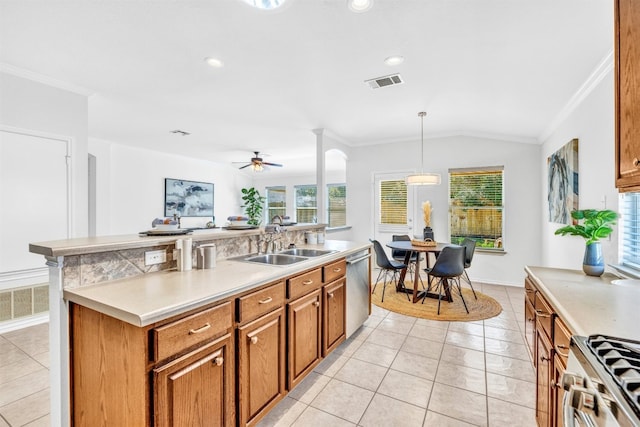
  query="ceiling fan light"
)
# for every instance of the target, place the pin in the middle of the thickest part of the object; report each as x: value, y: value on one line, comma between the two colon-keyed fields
x: 423, y: 179
x: 257, y: 167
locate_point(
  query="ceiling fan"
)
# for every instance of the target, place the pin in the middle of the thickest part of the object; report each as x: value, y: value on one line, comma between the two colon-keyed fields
x: 257, y: 164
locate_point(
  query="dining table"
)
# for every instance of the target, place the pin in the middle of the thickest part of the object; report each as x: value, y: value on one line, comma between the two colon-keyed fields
x: 410, y: 248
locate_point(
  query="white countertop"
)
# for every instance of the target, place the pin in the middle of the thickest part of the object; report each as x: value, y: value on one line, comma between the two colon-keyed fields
x: 591, y: 305
x: 152, y: 297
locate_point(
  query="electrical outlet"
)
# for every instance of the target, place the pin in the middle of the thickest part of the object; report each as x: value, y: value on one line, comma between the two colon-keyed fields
x: 155, y: 257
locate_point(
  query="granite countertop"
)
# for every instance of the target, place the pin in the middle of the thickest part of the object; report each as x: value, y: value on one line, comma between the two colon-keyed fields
x: 153, y: 297
x: 591, y: 305
x: 87, y: 245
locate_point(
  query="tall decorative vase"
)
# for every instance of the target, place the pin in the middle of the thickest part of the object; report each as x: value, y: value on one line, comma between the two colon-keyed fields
x: 593, y: 263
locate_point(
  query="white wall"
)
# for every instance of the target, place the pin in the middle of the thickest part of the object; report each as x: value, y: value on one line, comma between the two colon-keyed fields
x: 130, y: 185
x: 592, y: 122
x: 521, y: 186
x: 34, y: 106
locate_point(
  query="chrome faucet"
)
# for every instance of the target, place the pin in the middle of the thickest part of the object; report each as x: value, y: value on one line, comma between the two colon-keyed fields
x: 277, y: 218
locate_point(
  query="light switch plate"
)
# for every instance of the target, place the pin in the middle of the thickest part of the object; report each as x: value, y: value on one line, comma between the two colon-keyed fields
x: 155, y: 257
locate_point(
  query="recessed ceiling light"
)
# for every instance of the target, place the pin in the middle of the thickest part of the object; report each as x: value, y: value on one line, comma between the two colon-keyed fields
x: 214, y: 62
x: 359, y: 5
x: 265, y: 4
x: 394, y: 60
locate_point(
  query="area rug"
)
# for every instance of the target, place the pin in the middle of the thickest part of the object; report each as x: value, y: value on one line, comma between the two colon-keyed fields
x: 484, y: 307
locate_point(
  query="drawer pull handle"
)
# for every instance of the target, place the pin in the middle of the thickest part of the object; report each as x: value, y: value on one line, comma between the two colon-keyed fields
x: 254, y: 340
x: 555, y: 384
x: 564, y: 347
x: 636, y: 162
x: 530, y: 319
x: 330, y: 295
x: 542, y: 314
x: 544, y: 359
x: 265, y: 301
x: 529, y: 291
x: 337, y: 270
x: 317, y: 303
x: 219, y: 361
x: 200, y: 329
x: 307, y: 282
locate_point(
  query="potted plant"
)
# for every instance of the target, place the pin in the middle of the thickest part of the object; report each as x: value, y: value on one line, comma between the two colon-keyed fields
x: 596, y: 225
x: 253, y: 205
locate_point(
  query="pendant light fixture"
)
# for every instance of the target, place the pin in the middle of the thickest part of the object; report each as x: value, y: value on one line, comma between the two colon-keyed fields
x: 422, y: 178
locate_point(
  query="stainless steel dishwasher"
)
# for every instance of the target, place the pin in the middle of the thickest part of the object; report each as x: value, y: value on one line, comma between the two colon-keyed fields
x: 358, y: 297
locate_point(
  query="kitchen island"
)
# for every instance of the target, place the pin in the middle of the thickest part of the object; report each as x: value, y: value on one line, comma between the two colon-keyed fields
x: 133, y: 341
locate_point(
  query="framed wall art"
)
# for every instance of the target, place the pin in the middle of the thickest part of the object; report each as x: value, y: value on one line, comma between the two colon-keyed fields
x: 562, y: 184
x: 188, y: 198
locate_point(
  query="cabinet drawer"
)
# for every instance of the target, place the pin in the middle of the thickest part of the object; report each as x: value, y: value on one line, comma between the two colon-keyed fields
x: 305, y: 283
x: 176, y: 336
x: 530, y: 290
x: 335, y: 270
x: 260, y: 302
x: 561, y: 339
x: 544, y: 314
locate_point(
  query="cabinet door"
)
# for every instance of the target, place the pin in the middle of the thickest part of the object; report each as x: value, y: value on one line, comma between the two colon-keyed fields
x: 198, y: 388
x: 261, y: 366
x: 543, y: 377
x: 334, y: 302
x: 627, y: 20
x: 530, y: 328
x: 305, y: 347
x: 557, y: 392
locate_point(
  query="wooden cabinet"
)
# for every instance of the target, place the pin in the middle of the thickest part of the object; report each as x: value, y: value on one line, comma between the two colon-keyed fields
x: 550, y: 347
x: 334, y: 303
x: 197, y: 388
x: 544, y: 370
x: 304, y: 336
x: 627, y: 94
x: 261, y: 366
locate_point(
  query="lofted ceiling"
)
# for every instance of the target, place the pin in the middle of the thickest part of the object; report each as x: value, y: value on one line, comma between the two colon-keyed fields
x: 499, y: 68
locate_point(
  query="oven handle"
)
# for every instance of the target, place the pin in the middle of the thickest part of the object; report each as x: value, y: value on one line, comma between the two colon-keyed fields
x: 569, y: 412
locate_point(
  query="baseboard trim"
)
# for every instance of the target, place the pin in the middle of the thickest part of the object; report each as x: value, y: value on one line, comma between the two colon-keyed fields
x: 24, y: 322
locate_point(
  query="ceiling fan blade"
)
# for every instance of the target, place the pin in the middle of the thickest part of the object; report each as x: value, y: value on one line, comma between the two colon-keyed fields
x: 272, y: 164
x: 245, y: 166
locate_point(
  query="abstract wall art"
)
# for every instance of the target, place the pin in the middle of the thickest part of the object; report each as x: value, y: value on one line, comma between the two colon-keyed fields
x: 562, y: 175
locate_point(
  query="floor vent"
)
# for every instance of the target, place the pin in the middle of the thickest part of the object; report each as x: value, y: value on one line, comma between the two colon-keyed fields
x: 391, y: 80
x: 21, y: 302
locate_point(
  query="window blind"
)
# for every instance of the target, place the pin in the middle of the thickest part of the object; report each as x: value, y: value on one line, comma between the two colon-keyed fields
x: 476, y: 206
x: 630, y: 235
x: 393, y: 202
x: 306, y: 203
x: 276, y: 202
x: 337, y: 205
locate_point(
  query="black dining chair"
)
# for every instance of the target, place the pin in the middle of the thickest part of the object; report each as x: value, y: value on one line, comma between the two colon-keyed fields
x: 400, y: 255
x: 448, y: 268
x: 470, y: 248
x: 386, y: 266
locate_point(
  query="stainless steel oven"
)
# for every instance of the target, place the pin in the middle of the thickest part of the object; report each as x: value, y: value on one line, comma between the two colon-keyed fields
x: 602, y: 383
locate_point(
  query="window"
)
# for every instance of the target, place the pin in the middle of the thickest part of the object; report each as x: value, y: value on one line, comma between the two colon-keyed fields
x: 630, y: 230
x: 306, y: 203
x: 476, y: 206
x: 276, y: 202
x: 337, y: 205
x: 393, y: 202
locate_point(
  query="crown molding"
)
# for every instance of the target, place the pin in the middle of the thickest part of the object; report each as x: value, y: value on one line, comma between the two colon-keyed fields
x: 41, y: 78
x: 599, y: 73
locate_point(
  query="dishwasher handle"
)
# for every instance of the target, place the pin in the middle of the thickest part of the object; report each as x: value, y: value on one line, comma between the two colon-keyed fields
x: 352, y: 261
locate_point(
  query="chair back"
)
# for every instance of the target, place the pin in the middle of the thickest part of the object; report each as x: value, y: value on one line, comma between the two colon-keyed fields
x: 399, y: 254
x: 470, y: 248
x: 381, y: 256
x: 450, y: 262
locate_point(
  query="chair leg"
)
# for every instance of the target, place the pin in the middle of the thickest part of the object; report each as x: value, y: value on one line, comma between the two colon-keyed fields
x: 377, y: 280
x: 457, y: 281
x: 439, y: 289
x: 466, y: 278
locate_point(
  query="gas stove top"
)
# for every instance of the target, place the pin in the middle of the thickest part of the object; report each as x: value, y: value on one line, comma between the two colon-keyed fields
x: 621, y: 359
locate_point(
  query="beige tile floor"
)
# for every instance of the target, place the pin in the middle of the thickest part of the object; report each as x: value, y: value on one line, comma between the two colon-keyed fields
x: 395, y: 371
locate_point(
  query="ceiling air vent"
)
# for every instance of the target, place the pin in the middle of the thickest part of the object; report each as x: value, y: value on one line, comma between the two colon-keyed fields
x: 378, y: 82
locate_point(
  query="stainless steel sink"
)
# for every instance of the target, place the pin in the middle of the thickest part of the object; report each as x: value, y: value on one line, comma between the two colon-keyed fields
x: 306, y: 252
x: 273, y: 259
